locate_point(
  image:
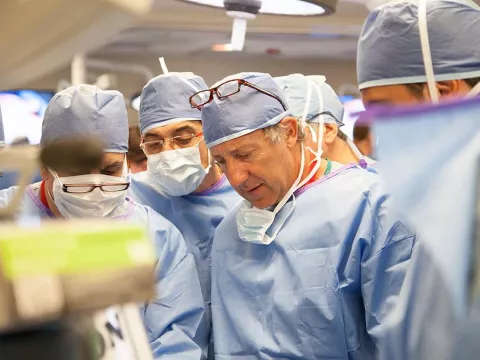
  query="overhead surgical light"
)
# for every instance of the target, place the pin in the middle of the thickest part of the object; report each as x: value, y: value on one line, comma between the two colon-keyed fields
x: 243, y: 10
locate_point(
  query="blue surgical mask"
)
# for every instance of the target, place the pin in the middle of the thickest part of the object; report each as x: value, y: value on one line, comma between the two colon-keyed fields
x: 177, y: 172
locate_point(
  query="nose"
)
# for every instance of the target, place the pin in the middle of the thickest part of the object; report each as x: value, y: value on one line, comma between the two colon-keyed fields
x: 236, y: 173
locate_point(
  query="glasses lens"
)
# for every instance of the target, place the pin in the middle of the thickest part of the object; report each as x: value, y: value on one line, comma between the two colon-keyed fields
x: 77, y: 189
x: 200, y: 98
x: 153, y: 147
x: 115, y: 187
x: 228, y: 88
x: 183, y: 141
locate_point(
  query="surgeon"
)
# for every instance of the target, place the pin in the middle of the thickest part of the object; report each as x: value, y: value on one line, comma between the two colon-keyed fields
x: 309, y: 97
x: 402, y: 60
x: 434, y: 53
x: 174, y: 320
x: 182, y: 181
x: 306, y: 266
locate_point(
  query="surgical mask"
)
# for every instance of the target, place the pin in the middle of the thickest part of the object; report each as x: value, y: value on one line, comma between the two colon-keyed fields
x: 253, y: 223
x: 177, y: 172
x: 94, y: 204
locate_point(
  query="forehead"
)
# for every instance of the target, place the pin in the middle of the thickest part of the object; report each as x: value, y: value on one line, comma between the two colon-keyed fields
x: 170, y: 129
x: 253, y: 140
x: 389, y: 94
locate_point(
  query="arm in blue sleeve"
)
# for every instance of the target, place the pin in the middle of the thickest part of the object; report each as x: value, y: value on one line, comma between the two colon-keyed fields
x: 384, y: 264
x: 175, y: 318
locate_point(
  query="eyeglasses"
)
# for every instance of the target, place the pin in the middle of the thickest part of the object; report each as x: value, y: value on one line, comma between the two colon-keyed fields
x: 178, y: 142
x: 87, y: 188
x: 224, y: 90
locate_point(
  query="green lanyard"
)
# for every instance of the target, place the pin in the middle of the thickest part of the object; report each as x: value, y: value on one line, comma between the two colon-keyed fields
x: 328, y: 169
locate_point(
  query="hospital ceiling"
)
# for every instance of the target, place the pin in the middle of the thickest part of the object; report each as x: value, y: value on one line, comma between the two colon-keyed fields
x: 177, y: 28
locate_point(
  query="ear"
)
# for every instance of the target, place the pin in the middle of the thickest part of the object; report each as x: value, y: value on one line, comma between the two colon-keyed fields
x: 330, y: 133
x: 449, y: 88
x: 290, y: 124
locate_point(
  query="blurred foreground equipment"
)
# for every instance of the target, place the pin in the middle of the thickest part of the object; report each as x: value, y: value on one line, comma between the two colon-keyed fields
x: 58, y: 277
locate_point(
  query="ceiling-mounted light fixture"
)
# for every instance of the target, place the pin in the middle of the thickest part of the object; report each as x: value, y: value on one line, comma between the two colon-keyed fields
x: 282, y: 7
x: 243, y: 10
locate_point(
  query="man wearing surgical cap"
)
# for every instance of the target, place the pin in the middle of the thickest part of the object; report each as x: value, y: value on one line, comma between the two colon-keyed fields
x: 174, y: 320
x: 419, y: 50
x: 316, y: 104
x: 306, y: 266
x: 181, y: 182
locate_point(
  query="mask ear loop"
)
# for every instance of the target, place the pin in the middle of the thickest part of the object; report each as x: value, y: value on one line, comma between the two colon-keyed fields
x: 163, y: 65
x: 474, y: 91
x: 426, y: 53
x: 207, y: 169
x: 319, y: 152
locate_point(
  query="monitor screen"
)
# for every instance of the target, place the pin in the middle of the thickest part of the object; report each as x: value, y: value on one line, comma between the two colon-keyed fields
x: 352, y: 106
x: 22, y: 112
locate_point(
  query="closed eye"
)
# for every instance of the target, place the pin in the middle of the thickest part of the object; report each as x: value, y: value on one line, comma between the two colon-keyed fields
x: 243, y: 156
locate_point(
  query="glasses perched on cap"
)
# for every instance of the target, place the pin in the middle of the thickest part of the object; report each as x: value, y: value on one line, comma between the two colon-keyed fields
x: 178, y: 142
x: 224, y: 90
x: 87, y: 188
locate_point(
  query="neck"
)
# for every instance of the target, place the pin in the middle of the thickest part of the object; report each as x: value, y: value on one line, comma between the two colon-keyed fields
x: 211, y: 179
x: 309, y: 157
x: 340, y: 152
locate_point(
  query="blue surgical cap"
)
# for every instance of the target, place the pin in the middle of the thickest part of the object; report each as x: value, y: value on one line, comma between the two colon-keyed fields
x: 298, y: 89
x: 2, y: 133
x: 389, y: 49
x: 85, y: 110
x: 165, y: 100
x: 244, y: 112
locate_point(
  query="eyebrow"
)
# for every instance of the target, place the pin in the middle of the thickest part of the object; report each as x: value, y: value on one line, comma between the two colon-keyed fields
x: 243, y: 148
x: 113, y: 166
x: 174, y: 133
x: 184, y: 128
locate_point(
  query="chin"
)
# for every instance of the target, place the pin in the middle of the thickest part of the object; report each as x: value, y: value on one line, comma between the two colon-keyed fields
x: 262, y: 203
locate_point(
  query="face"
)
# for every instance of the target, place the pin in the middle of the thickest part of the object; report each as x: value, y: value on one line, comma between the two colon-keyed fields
x: 389, y: 95
x: 261, y: 171
x: 184, y: 128
x: 112, y: 165
x: 402, y: 95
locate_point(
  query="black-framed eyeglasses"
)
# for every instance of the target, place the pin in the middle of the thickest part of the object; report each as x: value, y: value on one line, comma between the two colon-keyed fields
x: 178, y: 142
x: 224, y: 90
x: 88, y: 188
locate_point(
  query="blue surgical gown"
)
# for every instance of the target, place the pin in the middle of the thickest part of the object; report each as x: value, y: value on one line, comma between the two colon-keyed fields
x: 323, y: 287
x: 195, y: 215
x: 175, y: 320
x: 433, y: 174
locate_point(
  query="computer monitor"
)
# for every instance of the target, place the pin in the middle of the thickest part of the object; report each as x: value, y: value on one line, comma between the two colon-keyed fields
x: 352, y: 106
x: 22, y: 113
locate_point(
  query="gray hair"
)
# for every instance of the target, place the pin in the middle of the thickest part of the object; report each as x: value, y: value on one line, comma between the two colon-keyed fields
x: 278, y: 131
x: 340, y: 134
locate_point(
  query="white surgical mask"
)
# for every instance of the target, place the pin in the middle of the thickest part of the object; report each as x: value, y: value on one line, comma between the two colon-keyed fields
x: 177, y: 172
x: 95, y: 204
x: 253, y: 223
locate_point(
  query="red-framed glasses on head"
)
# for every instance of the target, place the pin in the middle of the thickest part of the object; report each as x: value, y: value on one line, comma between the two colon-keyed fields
x: 224, y: 90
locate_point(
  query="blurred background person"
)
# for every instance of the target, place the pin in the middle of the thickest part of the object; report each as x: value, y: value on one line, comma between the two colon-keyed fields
x: 136, y: 158
x: 363, y: 139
